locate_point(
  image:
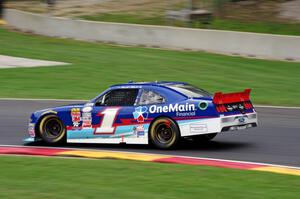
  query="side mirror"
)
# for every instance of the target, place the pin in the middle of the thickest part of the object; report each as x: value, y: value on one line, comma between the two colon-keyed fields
x: 161, y: 99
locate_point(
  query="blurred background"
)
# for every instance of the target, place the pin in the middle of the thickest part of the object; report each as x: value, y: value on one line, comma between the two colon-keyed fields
x: 198, y: 50
x: 266, y: 16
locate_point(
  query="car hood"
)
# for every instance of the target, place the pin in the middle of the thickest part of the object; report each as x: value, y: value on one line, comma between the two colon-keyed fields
x: 59, y: 108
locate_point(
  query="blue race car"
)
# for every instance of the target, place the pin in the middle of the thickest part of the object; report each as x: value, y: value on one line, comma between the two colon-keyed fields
x: 160, y: 113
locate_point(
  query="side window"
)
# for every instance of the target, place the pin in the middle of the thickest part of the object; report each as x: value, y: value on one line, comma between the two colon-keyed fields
x: 151, y: 97
x: 118, y: 97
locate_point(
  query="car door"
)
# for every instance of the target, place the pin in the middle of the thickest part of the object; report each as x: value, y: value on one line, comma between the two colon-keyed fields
x: 112, y: 111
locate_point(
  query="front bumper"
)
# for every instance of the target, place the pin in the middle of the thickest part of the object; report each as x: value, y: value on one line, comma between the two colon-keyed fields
x: 31, y: 135
x: 28, y: 140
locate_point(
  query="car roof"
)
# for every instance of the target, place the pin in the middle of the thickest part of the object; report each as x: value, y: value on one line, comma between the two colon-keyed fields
x: 155, y: 83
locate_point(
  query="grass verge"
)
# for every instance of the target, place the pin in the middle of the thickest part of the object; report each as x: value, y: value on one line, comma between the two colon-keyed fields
x: 96, y: 66
x: 36, y: 177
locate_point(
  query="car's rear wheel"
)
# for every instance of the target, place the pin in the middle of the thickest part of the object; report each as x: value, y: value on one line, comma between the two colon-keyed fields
x: 52, y: 130
x: 204, y: 138
x: 164, y: 133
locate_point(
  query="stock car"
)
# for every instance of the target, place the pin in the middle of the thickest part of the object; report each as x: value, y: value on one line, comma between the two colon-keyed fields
x: 160, y: 113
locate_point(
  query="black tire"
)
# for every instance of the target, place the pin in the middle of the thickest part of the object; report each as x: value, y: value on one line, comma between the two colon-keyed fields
x: 52, y: 130
x: 164, y: 133
x: 205, y: 137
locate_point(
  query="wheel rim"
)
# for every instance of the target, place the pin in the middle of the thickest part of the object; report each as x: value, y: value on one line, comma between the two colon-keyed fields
x: 164, y: 133
x: 53, y: 128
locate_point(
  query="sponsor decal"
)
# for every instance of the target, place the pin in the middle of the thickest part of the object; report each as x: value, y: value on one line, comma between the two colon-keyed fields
x: 172, y: 108
x: 87, y: 117
x: 203, y: 105
x: 140, y: 134
x: 186, y: 114
x: 76, y: 116
x: 139, y: 131
x: 198, y: 128
x: 86, y: 120
x: 87, y: 109
x: 89, y: 104
x: 140, y: 113
x: 182, y: 110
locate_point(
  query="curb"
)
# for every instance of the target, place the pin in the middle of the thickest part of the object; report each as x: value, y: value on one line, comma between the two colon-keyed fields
x: 103, y: 154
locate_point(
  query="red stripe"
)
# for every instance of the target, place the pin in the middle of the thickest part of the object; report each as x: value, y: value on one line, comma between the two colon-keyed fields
x: 176, y: 160
x: 205, y: 162
x: 125, y: 122
x: 31, y: 151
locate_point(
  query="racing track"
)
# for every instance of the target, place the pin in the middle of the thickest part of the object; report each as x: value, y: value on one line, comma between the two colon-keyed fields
x: 275, y: 141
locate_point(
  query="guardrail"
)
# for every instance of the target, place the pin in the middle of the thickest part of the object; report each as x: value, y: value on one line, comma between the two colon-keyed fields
x: 226, y: 42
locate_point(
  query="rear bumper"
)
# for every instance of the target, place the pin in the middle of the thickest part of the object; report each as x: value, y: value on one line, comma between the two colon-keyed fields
x: 217, y: 125
x: 238, y: 122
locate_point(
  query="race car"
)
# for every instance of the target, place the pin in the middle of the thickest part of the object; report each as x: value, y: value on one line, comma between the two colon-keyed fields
x: 160, y: 113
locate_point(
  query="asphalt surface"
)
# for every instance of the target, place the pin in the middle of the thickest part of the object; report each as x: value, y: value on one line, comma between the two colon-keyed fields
x: 276, y: 140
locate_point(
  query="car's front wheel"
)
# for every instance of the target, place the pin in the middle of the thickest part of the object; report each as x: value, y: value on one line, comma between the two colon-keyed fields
x: 164, y: 133
x: 52, y: 130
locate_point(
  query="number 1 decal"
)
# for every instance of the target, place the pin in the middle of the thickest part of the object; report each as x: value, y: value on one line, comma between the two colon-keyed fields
x: 109, y: 116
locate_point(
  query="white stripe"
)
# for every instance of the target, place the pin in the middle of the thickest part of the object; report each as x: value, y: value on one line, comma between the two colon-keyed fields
x: 278, y: 107
x: 30, y: 99
x: 167, y: 155
x: 78, y: 100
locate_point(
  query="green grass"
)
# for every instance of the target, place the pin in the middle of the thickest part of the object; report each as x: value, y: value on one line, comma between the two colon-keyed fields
x: 219, y: 24
x: 33, y: 177
x: 96, y: 66
x: 257, y: 27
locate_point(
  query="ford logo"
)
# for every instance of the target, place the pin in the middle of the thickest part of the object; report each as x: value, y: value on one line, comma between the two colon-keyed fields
x: 241, y: 119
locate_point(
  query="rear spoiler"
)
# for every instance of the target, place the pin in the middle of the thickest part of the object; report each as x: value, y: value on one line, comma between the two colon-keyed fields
x: 243, y: 97
x: 228, y: 98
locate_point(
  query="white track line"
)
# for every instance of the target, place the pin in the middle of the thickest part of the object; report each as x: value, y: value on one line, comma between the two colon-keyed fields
x: 277, y: 107
x: 142, y: 153
x: 80, y: 100
x: 30, y: 99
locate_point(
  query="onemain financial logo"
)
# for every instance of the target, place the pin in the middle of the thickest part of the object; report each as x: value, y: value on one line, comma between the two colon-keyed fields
x: 173, y: 108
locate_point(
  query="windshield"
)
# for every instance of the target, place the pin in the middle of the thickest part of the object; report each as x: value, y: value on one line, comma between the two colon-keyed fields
x: 189, y: 90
